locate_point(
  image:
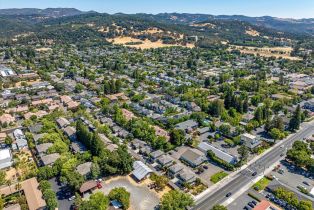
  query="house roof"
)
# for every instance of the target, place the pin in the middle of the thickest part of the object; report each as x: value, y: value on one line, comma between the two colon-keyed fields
x: 84, y: 168
x: 49, y: 159
x: 192, y: 155
x: 165, y: 159
x: 176, y: 168
x: 32, y: 194
x: 157, y: 153
x: 187, y: 175
x: 69, y: 131
x: 89, y: 185
x: 62, y: 122
x: 43, y: 147
x: 186, y: 124
x: 140, y: 170
x: 203, y: 146
x: 78, y: 146
x: 266, y: 205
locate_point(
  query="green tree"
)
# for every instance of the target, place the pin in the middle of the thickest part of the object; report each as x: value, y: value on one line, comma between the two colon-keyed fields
x: 295, y: 121
x: 1, y: 202
x: 305, y: 205
x: 2, y: 177
x: 51, y: 199
x: 97, y: 201
x: 243, y: 152
x: 95, y: 171
x: 177, y: 137
x: 219, y: 207
x: 277, y: 134
x: 160, y: 181
x: 175, y: 200
x: 120, y: 194
x: 8, y: 140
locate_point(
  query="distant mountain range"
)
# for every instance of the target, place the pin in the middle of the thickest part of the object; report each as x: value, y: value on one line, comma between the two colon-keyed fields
x: 49, y: 12
x: 301, y: 26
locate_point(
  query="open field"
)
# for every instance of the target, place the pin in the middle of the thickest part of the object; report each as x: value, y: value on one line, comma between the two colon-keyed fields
x: 284, y: 52
x: 140, y: 44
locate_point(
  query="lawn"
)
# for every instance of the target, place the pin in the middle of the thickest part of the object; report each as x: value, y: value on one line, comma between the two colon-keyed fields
x: 261, y: 184
x: 218, y: 176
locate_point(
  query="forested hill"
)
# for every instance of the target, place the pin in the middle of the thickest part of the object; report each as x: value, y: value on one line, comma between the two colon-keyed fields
x: 74, y: 26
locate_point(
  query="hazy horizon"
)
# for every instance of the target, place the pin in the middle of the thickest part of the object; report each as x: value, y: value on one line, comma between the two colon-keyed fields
x: 278, y: 8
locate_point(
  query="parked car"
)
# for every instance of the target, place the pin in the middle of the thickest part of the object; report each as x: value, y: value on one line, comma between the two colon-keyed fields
x: 254, y: 202
x: 228, y: 194
x: 71, y: 198
x: 254, y: 173
x: 306, y: 183
x: 251, y: 204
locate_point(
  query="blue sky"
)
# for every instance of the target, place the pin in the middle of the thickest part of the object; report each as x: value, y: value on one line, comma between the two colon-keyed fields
x: 277, y: 8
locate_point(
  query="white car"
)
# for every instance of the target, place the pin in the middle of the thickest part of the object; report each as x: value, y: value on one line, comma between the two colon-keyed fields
x: 72, y: 198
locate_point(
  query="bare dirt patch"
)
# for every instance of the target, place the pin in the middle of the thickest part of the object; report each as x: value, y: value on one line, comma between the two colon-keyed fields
x: 252, y: 32
x: 208, y: 25
x: 143, y: 44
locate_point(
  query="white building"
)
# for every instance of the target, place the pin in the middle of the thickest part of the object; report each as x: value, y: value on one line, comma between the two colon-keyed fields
x: 5, y: 158
x: 250, y: 140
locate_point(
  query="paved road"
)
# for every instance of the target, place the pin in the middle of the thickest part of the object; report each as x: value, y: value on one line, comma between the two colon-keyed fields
x: 244, y: 177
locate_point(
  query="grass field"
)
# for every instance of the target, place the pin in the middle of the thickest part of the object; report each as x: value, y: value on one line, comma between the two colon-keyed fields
x: 261, y: 184
x: 218, y: 176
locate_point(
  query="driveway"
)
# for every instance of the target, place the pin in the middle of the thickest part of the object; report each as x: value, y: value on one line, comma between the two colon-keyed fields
x: 63, y: 193
x: 141, y: 197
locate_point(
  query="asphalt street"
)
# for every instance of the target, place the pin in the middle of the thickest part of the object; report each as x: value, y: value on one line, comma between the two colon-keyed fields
x: 244, y: 177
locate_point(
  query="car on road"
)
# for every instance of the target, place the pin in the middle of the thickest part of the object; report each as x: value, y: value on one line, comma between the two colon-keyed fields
x: 282, y: 154
x: 254, y: 173
x: 228, y: 194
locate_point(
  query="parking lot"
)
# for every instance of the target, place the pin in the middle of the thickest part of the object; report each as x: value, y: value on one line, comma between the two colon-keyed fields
x: 63, y: 194
x: 293, y: 176
x: 241, y: 202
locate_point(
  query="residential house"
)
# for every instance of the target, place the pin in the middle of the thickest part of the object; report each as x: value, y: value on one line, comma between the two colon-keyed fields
x: 187, y: 126
x: 165, y: 160
x: 88, y: 186
x: 49, y: 159
x: 84, y: 169
x: 30, y: 189
x: 62, y: 122
x: 6, y: 118
x: 187, y: 176
x: 141, y: 171
x: 156, y: 154
x: 6, y: 159
x: 20, y: 139
x: 250, y: 140
x: 193, y: 157
x: 175, y: 169
x: 70, y: 132
x: 42, y: 148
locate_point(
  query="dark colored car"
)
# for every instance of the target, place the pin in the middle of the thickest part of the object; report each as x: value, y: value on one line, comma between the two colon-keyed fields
x: 254, y: 173
x: 228, y: 194
x: 254, y: 202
